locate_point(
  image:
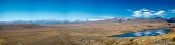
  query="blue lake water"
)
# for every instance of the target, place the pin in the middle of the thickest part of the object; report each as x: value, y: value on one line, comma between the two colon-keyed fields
x: 143, y: 33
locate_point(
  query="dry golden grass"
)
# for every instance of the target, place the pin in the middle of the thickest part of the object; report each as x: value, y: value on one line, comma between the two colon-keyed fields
x: 83, y: 34
x: 152, y: 40
x: 173, y: 29
x: 53, y: 37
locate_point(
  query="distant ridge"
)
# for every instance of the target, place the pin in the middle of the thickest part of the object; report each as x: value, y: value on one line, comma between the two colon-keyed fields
x: 110, y: 20
x: 19, y: 26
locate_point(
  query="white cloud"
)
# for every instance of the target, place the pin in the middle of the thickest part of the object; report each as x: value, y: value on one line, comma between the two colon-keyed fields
x: 172, y: 11
x: 128, y: 10
x: 107, y: 17
x: 152, y: 11
x: 137, y: 13
x: 94, y: 19
x: 144, y: 9
x: 159, y: 13
x: 147, y: 13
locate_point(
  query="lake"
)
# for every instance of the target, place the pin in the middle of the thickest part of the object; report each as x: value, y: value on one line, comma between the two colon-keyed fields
x: 154, y: 32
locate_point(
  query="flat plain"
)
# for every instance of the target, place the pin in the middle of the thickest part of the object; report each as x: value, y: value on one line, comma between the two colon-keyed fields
x: 84, y: 34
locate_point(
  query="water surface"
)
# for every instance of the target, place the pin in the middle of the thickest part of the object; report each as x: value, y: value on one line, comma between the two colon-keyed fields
x: 154, y: 32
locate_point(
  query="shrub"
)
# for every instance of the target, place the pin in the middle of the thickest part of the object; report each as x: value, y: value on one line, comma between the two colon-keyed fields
x: 173, y: 39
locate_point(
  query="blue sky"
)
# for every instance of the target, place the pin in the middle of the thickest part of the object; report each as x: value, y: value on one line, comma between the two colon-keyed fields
x: 80, y: 9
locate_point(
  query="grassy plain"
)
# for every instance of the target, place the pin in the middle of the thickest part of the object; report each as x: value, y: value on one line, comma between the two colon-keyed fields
x: 85, y: 34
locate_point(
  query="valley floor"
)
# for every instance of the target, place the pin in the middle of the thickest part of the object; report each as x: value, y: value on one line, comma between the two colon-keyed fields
x: 86, y: 34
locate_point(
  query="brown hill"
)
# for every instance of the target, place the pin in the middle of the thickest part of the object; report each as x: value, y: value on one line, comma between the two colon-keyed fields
x: 18, y: 26
x: 131, y: 20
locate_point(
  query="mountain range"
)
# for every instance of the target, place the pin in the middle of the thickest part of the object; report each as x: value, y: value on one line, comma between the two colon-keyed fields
x: 112, y: 20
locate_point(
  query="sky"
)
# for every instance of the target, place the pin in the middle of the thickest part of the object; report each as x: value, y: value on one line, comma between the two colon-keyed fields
x: 83, y: 9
